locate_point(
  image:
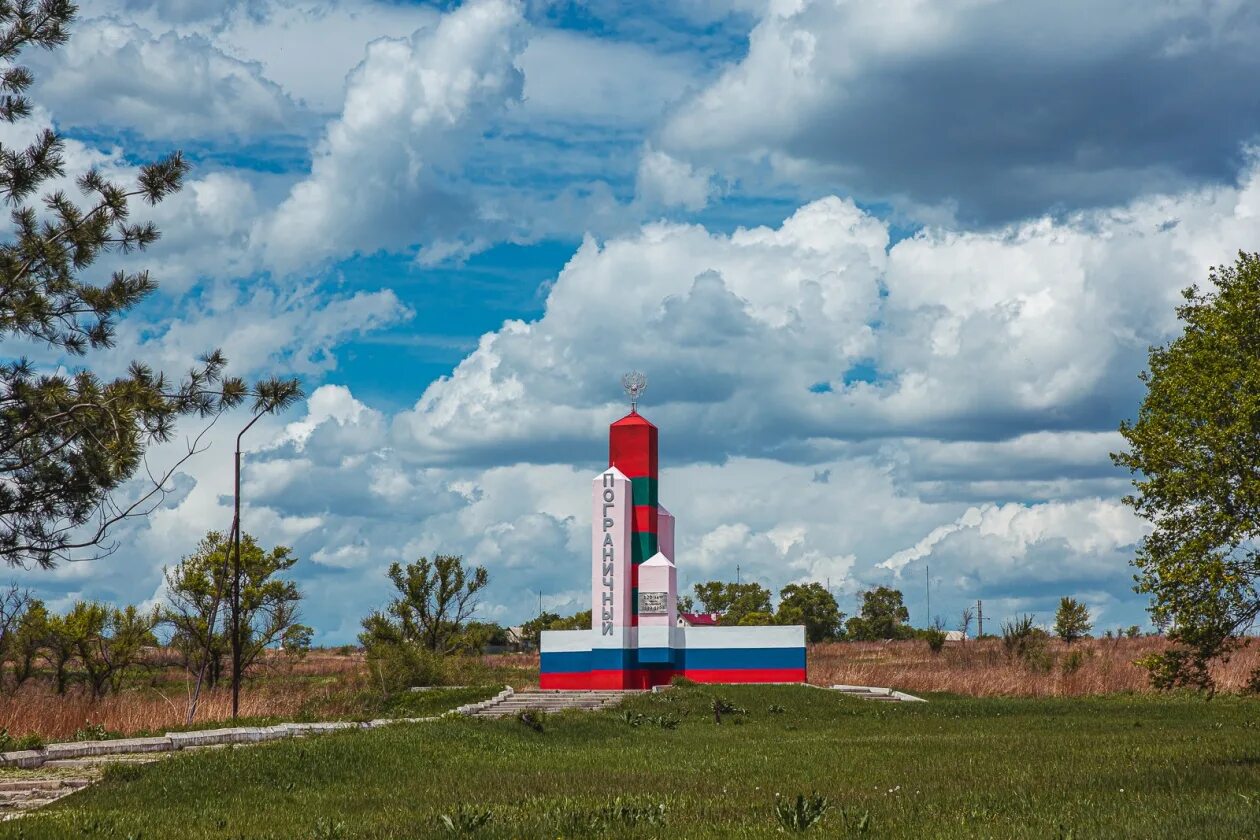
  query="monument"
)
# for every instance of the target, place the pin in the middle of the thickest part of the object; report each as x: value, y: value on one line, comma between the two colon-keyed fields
x: 634, y: 640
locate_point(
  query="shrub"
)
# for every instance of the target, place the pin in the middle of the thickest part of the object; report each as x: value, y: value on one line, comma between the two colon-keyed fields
x: 1073, y: 662
x: 1022, y: 640
x: 1176, y: 668
x: 94, y: 732
x: 401, y: 665
x: 935, y: 639
x: 29, y: 741
x: 800, y: 814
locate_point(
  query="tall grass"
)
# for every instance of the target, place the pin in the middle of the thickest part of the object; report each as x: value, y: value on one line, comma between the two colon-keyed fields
x: 984, y: 669
x: 321, y: 686
x: 38, y: 709
x: 328, y: 686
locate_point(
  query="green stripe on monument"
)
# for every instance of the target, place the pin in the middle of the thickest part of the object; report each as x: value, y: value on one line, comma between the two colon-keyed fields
x: 644, y: 491
x: 642, y: 546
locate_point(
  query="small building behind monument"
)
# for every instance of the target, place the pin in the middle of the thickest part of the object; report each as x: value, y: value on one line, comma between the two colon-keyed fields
x: 636, y: 639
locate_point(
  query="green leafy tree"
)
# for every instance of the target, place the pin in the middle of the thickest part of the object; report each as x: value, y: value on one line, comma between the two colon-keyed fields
x: 883, y: 616
x: 812, y: 605
x: 1072, y: 620
x: 107, y: 642
x: 478, y: 635
x: 1195, y: 453
x: 580, y: 620
x: 435, y: 599
x: 28, y: 641
x: 58, y: 647
x: 756, y: 618
x: 746, y: 601
x: 712, y: 596
x: 70, y: 439
x: 201, y: 631
x: 732, y: 600
x: 531, y: 631
x: 296, y: 640
x: 686, y: 604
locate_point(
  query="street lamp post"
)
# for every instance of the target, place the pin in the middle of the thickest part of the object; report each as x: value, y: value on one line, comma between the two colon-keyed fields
x: 236, y: 578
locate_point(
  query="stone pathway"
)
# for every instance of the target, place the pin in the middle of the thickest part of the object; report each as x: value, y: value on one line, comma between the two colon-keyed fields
x: 550, y: 701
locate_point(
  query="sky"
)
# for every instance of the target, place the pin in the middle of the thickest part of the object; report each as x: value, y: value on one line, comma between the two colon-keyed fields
x: 892, y: 270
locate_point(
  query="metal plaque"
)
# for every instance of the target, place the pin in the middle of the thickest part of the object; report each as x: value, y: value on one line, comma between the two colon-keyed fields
x: 653, y: 603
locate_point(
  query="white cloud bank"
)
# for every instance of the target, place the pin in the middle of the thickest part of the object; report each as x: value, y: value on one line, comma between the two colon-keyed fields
x: 1002, y: 362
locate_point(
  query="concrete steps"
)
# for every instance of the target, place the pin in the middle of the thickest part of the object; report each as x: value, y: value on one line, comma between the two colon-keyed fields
x: 17, y: 795
x: 880, y: 695
x: 551, y: 701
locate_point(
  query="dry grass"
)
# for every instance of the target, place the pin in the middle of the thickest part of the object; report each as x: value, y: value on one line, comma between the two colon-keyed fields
x: 322, y: 684
x: 329, y: 685
x: 982, y: 669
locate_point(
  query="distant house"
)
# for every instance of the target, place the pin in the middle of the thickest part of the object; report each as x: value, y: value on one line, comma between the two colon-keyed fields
x: 955, y: 636
x: 698, y: 619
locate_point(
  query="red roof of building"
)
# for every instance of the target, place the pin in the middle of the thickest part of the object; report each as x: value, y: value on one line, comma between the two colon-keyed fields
x: 700, y: 619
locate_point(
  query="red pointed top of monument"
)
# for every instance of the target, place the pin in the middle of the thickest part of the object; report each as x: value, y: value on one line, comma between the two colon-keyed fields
x: 634, y: 418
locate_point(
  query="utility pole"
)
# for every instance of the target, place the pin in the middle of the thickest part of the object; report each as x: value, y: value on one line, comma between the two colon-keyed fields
x: 927, y: 581
x: 737, y: 574
x: 539, y: 603
x: 979, y: 618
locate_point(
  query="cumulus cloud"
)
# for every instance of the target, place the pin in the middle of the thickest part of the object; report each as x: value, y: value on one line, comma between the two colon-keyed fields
x: 996, y: 110
x: 159, y: 85
x: 386, y: 173
x: 665, y: 181
x: 620, y: 82
x: 261, y: 326
x: 764, y: 340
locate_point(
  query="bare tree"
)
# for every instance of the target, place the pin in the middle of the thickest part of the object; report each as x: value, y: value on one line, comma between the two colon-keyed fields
x: 13, y: 603
x: 964, y: 621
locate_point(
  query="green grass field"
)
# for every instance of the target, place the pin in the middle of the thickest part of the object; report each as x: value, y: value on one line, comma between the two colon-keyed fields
x: 1119, y: 766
